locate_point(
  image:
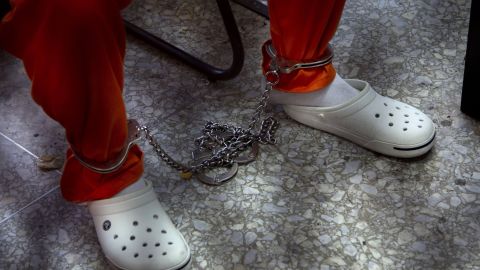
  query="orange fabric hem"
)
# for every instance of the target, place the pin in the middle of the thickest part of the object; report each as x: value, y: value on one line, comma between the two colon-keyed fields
x: 96, y: 186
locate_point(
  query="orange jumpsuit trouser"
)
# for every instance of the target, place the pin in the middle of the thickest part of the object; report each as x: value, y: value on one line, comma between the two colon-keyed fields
x: 73, y: 52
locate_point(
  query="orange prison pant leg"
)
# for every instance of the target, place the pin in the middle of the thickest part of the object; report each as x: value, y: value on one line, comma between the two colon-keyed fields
x: 301, y: 30
x: 73, y: 52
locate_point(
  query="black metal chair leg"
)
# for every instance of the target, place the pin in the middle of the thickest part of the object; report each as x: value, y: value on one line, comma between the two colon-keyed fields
x: 213, y: 73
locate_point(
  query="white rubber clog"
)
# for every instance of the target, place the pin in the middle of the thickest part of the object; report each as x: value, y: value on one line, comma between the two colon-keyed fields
x: 136, y: 233
x: 375, y: 122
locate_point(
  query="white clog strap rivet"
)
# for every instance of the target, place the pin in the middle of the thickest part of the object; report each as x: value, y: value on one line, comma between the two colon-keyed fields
x: 375, y: 122
x: 136, y: 233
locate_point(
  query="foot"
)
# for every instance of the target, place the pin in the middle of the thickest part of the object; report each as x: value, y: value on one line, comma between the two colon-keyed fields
x: 136, y: 233
x: 375, y: 122
x: 338, y: 92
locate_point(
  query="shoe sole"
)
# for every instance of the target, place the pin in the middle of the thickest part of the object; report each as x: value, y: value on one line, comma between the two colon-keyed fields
x: 186, y: 266
x: 389, y: 149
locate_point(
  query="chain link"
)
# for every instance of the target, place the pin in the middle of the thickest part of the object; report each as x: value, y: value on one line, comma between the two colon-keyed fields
x: 226, y: 142
x: 230, y: 140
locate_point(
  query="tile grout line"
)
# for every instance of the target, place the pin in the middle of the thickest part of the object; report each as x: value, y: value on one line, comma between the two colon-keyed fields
x: 18, y: 145
x: 35, y: 200
x: 29, y: 204
x: 24, y: 149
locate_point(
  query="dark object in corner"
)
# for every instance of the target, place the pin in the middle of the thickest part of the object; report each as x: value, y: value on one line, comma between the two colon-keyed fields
x: 4, y: 7
x: 470, y: 93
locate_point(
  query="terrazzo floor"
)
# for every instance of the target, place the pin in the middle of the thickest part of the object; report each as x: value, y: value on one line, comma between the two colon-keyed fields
x: 312, y: 201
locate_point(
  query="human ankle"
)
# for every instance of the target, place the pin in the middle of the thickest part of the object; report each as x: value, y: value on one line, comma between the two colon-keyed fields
x: 337, y: 92
x: 137, y: 185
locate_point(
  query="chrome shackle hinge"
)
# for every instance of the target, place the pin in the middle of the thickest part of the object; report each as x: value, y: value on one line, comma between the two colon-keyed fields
x: 288, y: 66
x: 115, y: 164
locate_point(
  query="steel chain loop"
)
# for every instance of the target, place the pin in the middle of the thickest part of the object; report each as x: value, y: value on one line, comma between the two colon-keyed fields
x: 225, y: 142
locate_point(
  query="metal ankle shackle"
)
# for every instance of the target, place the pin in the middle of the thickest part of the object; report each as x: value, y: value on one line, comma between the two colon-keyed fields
x: 288, y: 66
x: 115, y: 164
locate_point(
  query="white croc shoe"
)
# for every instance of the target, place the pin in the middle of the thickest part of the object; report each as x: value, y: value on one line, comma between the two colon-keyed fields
x: 375, y: 122
x: 136, y: 233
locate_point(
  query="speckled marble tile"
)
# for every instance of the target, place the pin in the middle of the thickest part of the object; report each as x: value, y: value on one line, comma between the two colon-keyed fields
x: 52, y: 234
x: 22, y: 119
x: 21, y: 182
x: 313, y: 201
